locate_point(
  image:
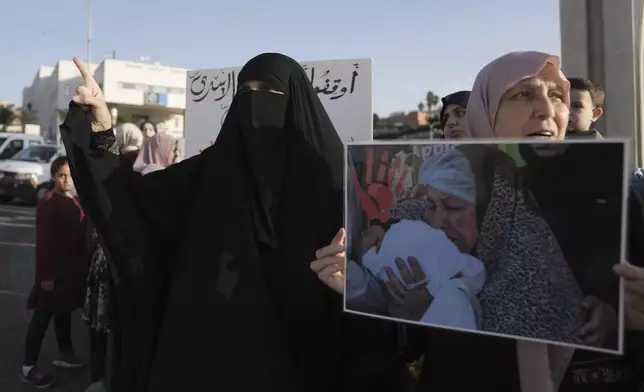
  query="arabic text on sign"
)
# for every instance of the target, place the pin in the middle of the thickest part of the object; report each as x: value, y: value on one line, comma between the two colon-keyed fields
x: 217, y: 88
x: 333, y: 88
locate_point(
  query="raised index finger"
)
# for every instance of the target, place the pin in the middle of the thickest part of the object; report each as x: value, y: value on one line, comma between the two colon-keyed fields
x: 87, y: 76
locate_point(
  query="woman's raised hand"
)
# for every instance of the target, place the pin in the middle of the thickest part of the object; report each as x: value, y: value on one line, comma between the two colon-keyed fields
x: 330, y: 264
x: 90, y: 97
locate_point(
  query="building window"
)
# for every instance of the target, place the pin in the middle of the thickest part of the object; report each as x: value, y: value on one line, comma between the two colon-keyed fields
x: 67, y: 90
x: 157, y: 89
x: 128, y: 86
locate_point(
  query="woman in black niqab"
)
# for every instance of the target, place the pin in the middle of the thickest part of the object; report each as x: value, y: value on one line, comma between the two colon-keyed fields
x: 213, y: 252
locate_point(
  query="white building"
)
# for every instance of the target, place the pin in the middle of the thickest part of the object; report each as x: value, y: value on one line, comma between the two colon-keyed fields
x: 142, y: 91
x: 134, y: 92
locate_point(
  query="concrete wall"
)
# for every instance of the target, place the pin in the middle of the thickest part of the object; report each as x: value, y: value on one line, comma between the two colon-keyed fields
x: 598, y: 42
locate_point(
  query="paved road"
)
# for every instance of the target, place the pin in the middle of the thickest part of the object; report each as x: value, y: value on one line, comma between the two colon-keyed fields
x: 17, y: 239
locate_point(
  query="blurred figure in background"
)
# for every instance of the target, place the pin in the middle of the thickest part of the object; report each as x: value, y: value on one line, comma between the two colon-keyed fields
x: 99, y: 301
x: 157, y: 153
x: 452, y: 115
x: 130, y: 138
x: 149, y: 129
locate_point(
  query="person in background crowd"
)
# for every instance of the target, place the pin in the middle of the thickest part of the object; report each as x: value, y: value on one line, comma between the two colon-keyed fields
x: 586, y: 106
x: 130, y: 138
x: 148, y: 128
x: 203, y: 264
x: 519, y: 95
x: 97, y: 312
x: 157, y: 153
x: 452, y: 115
x: 62, y: 255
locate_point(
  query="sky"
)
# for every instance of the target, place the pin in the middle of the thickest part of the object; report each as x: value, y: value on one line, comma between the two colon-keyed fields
x: 416, y: 45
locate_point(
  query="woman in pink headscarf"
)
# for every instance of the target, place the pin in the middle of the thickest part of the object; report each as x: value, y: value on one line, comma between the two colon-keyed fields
x: 520, y: 95
x: 157, y: 153
x: 525, y: 95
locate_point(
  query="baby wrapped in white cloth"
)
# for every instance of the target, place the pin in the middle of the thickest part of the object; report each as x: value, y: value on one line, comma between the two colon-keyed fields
x: 453, y: 278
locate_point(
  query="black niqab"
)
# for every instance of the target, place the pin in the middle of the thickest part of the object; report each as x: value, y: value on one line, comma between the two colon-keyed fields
x: 264, y: 202
x: 222, y: 243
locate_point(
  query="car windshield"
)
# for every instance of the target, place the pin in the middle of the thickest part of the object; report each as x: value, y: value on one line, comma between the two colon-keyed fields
x: 42, y: 154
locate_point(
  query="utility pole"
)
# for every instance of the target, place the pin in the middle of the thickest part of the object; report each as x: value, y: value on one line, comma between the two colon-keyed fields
x: 639, y: 76
x: 89, y: 34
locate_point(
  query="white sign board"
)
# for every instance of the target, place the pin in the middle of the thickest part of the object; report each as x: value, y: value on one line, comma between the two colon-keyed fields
x: 344, y: 87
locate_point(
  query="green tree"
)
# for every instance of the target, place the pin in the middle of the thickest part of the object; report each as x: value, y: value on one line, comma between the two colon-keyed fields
x: 431, y: 100
x: 62, y: 113
x: 421, y: 106
x: 376, y: 120
x: 27, y: 117
x: 7, y: 116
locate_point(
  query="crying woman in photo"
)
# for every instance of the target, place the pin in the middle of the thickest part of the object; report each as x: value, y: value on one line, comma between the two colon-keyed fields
x: 508, y: 269
x: 421, y: 257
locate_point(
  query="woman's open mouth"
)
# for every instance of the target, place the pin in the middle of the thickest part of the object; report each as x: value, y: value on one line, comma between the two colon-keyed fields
x: 542, y: 135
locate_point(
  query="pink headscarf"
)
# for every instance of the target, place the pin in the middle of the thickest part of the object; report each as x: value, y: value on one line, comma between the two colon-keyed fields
x: 541, y: 366
x: 498, y: 77
x: 156, y: 150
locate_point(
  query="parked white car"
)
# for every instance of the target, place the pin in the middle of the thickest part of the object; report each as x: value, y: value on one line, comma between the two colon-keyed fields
x: 13, y: 143
x: 27, y: 174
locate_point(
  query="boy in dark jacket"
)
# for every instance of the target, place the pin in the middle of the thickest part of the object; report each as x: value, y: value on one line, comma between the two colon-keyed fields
x: 61, y: 266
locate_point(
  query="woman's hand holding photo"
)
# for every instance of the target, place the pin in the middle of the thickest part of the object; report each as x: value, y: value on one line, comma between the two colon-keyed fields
x: 634, y: 285
x: 602, y: 322
x: 330, y: 264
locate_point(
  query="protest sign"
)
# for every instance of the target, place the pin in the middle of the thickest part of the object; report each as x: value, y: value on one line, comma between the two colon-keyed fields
x: 465, y: 236
x: 343, y: 86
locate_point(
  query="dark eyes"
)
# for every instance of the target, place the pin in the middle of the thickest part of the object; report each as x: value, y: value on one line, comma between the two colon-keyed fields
x: 528, y: 94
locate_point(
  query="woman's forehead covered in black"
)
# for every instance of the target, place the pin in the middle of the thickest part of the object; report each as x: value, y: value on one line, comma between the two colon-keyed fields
x: 275, y: 69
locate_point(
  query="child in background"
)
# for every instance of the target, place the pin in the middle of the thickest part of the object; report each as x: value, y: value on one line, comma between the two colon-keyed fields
x: 62, y: 256
x: 586, y: 107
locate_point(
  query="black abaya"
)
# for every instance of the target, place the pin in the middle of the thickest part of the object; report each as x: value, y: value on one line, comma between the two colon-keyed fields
x: 229, y: 235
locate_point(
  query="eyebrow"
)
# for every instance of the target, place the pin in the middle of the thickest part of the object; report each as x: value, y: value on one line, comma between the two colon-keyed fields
x: 455, y: 108
x: 534, y: 82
